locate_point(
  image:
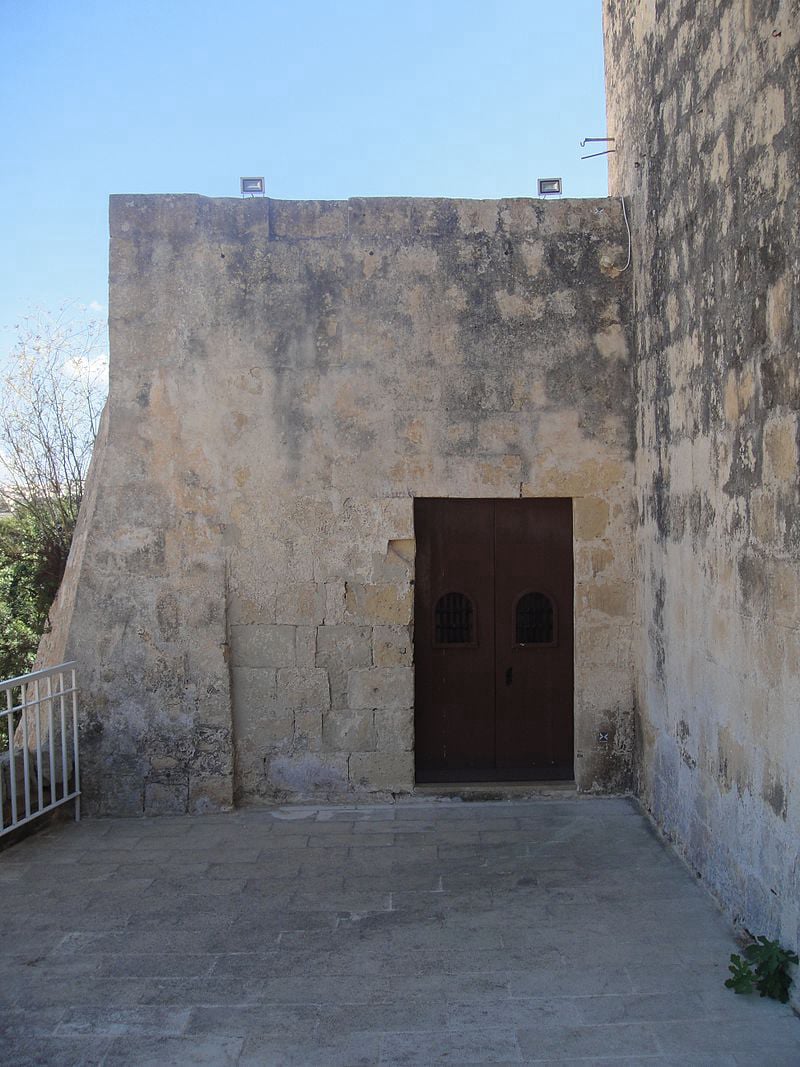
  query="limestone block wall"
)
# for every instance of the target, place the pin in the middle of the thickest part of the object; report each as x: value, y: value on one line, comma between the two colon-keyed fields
x: 285, y: 378
x: 704, y: 102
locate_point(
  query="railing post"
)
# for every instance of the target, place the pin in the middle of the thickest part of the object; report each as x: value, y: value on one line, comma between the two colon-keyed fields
x: 50, y: 737
x: 26, y: 758
x: 39, y: 775
x: 63, y: 735
x: 12, y: 763
x: 75, y: 747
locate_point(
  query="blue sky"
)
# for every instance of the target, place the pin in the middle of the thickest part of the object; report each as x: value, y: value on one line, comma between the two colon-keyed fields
x: 326, y: 100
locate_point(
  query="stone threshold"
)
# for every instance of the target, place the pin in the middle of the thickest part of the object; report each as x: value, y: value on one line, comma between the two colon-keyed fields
x: 495, y: 790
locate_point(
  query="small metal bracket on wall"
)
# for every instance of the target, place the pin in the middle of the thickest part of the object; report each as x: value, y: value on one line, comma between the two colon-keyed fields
x: 605, y: 152
x: 592, y: 155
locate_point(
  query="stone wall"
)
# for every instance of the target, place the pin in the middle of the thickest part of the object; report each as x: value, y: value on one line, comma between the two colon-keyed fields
x: 285, y: 378
x: 704, y: 102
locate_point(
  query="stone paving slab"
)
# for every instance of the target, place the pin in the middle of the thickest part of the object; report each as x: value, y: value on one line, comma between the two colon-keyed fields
x: 422, y: 932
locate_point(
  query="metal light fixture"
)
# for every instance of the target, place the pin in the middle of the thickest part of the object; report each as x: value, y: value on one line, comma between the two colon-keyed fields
x: 549, y: 187
x: 251, y: 186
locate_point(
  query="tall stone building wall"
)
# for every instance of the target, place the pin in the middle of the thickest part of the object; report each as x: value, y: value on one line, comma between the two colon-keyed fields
x: 285, y: 379
x: 704, y: 103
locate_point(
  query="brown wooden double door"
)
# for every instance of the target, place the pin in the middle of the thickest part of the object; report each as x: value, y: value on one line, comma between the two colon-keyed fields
x: 493, y: 640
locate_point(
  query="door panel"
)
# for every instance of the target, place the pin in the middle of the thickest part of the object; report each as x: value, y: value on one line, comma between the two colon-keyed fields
x: 534, y: 677
x: 454, y: 718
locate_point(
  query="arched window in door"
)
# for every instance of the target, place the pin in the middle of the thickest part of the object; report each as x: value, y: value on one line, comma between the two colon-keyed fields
x: 534, y: 620
x: 454, y: 620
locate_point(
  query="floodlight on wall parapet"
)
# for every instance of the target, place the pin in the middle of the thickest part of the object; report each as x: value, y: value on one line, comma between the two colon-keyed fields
x: 251, y: 186
x: 550, y: 187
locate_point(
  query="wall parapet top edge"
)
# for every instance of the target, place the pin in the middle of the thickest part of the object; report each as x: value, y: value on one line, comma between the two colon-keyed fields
x: 134, y: 215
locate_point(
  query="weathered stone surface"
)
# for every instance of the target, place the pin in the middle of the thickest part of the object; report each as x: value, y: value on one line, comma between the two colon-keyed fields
x: 609, y: 598
x: 381, y: 687
x: 383, y: 770
x: 590, y: 518
x: 378, y: 604
x: 307, y: 735
x: 306, y: 646
x: 710, y: 180
x: 348, y: 731
x: 166, y: 797
x: 394, y: 729
x: 286, y: 378
x: 392, y: 646
x: 302, y: 775
x: 243, y: 611
x: 303, y: 689
x: 256, y: 687
x: 263, y: 646
x: 208, y: 794
x: 338, y: 649
x: 300, y: 603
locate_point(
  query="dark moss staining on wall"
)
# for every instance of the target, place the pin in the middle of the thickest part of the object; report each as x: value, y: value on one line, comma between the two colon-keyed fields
x: 704, y: 102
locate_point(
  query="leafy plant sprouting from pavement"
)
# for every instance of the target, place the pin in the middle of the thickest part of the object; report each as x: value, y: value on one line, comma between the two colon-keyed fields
x: 765, y: 968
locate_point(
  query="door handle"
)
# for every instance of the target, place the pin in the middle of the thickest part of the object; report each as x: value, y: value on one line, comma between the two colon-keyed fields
x: 508, y: 676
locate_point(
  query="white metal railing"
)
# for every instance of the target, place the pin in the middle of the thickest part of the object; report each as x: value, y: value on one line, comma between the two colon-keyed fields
x: 39, y: 767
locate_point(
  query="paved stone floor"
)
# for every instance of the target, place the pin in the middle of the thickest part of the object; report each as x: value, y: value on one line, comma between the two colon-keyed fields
x: 544, y: 931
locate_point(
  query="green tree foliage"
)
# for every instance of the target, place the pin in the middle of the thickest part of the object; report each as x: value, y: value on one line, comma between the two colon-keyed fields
x: 30, y: 570
x: 51, y: 398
